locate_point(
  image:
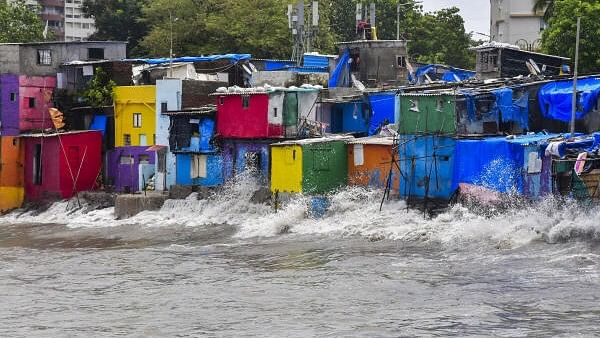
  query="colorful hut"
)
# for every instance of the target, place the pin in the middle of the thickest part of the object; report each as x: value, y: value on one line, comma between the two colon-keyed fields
x: 310, y: 166
x: 57, y: 166
x: 129, y: 169
x: 371, y: 161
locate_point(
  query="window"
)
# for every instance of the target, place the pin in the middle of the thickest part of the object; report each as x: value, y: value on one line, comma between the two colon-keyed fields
x: 400, y: 61
x: 126, y: 160
x: 142, y: 140
x: 245, y: 101
x: 37, y: 165
x: 44, y: 57
x: 31, y: 102
x: 96, y: 53
x: 137, y: 120
x: 144, y: 159
x: 252, y: 161
x: 198, y: 168
x: 126, y: 139
x: 163, y: 107
x: 221, y: 100
x: 13, y: 97
x: 275, y: 112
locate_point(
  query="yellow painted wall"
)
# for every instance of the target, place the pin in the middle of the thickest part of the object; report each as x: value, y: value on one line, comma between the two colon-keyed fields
x: 286, y: 170
x: 128, y: 101
x: 11, y: 198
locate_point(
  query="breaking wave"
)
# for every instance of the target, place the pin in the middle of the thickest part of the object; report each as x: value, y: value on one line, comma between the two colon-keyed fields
x: 353, y: 212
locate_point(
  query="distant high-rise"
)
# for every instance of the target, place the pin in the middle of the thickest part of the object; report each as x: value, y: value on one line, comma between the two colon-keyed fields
x: 65, y: 19
x: 515, y: 22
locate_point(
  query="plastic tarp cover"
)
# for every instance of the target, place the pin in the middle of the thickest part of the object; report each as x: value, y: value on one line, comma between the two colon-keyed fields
x: 450, y: 75
x: 555, y: 98
x: 517, y: 111
x: 99, y: 123
x: 340, y: 71
x: 495, y: 163
x: 273, y: 65
x: 383, y: 108
x: 233, y: 58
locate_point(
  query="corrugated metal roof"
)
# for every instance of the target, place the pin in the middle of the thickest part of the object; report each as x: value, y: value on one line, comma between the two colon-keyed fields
x: 59, y: 133
x: 328, y: 138
x: 374, y: 140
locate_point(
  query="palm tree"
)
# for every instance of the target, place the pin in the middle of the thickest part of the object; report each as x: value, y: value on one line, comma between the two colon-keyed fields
x: 547, y: 6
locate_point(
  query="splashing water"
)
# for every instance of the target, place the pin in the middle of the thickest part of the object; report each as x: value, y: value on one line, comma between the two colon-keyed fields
x: 353, y: 211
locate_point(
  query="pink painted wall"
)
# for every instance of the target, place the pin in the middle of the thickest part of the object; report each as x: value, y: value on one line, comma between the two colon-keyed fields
x: 235, y: 121
x: 41, y: 89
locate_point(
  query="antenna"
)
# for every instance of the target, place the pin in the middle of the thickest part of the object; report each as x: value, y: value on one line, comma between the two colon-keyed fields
x: 290, y: 12
x: 315, y: 14
x: 372, y: 12
x: 301, y: 34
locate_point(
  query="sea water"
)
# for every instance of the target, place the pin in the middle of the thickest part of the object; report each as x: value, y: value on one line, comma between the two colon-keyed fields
x: 225, y: 267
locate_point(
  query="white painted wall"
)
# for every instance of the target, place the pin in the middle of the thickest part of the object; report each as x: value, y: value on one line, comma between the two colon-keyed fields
x: 169, y: 91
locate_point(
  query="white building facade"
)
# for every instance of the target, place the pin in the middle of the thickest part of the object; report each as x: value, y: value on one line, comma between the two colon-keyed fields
x: 77, y: 26
x: 515, y: 22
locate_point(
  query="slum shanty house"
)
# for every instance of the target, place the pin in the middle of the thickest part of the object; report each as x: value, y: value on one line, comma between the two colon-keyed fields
x: 494, y: 61
x: 191, y: 141
x: 309, y: 166
x: 263, y: 114
x: 58, y: 166
x: 372, y: 162
x: 12, y: 190
x: 24, y: 103
x: 135, y: 131
x: 45, y: 58
x: 344, y: 111
x: 9, y: 105
x: 172, y: 95
x: 129, y: 169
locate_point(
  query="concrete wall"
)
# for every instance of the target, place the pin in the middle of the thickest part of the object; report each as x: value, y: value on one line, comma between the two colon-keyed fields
x: 168, y: 91
x: 378, y: 60
x: 513, y: 20
x: 23, y: 58
x: 130, y: 100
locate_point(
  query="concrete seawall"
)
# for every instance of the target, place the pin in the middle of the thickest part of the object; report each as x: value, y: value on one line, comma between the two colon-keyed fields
x: 130, y: 205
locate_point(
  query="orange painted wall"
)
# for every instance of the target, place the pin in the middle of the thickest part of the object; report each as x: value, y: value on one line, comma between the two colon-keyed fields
x: 11, y: 162
x: 375, y: 168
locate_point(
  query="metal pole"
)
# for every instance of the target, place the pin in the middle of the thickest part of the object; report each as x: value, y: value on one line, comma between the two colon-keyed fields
x: 575, y: 71
x: 171, y: 49
x: 398, y: 21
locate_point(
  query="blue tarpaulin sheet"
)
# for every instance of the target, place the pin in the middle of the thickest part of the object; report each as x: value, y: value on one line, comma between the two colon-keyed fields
x: 555, y: 98
x: 233, y: 58
x: 340, y: 71
x: 450, y: 75
x: 495, y: 163
x: 516, y: 111
x: 272, y: 65
x: 99, y: 123
x: 382, y: 108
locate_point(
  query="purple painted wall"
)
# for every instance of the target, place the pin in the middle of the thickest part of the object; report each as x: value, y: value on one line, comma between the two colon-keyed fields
x: 122, y: 175
x: 9, y: 105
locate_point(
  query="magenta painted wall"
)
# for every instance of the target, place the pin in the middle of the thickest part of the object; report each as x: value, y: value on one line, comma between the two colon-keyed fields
x: 235, y: 121
x: 40, y: 89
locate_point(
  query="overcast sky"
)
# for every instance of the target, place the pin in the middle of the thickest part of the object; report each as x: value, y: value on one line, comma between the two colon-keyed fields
x: 475, y: 12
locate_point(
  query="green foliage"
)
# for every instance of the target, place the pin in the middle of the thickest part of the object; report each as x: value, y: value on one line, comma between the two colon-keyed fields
x: 118, y: 20
x: 99, y: 91
x: 559, y: 37
x: 18, y: 23
x: 261, y: 28
x: 440, y: 37
x: 546, y: 6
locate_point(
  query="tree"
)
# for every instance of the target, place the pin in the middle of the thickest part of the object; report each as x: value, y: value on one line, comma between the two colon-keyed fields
x: 559, y: 37
x: 99, y: 91
x: 118, y: 20
x: 440, y: 37
x: 18, y: 23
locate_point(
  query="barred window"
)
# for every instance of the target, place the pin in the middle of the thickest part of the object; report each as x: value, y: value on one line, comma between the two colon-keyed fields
x: 44, y: 57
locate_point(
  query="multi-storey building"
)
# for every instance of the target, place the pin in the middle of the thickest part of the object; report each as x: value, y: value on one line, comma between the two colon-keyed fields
x: 515, y: 22
x: 64, y: 18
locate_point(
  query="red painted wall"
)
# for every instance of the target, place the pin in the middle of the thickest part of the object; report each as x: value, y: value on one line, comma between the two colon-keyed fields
x: 235, y: 121
x: 41, y: 90
x: 83, y: 151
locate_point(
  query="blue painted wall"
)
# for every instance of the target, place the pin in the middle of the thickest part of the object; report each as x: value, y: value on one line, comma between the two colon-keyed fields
x: 214, y: 171
x: 427, y: 158
x: 201, y: 144
x: 349, y: 117
x: 234, y: 154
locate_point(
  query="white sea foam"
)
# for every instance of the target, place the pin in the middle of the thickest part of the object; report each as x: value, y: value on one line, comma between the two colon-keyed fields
x: 353, y: 212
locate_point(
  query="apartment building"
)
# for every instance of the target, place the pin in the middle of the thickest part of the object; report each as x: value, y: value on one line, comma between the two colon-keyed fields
x: 515, y: 22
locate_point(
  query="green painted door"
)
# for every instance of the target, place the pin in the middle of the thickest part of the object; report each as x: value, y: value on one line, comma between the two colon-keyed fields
x: 427, y: 114
x: 290, y: 109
